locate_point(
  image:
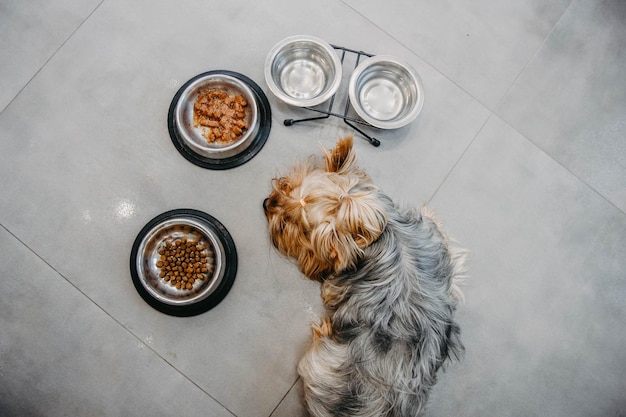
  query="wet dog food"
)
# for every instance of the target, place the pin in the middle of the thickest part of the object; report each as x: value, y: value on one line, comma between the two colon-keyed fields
x: 221, y: 116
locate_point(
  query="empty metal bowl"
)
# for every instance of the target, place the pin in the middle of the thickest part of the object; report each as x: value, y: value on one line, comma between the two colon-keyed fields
x: 303, y: 71
x: 386, y: 92
x: 193, y: 135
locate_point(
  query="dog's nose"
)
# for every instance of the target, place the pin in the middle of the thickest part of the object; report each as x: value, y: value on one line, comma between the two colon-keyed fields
x: 265, y: 203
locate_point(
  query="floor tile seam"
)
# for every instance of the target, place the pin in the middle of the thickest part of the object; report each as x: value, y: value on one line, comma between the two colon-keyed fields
x: 531, y: 58
x: 535, y: 145
x: 98, y: 306
x: 458, y: 160
x: 559, y: 163
x: 284, y: 396
x: 56, y: 51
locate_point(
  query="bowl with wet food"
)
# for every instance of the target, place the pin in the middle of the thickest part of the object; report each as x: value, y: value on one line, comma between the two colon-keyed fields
x: 217, y: 116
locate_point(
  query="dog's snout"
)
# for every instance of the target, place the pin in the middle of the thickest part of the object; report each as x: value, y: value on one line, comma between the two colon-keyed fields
x: 265, y: 203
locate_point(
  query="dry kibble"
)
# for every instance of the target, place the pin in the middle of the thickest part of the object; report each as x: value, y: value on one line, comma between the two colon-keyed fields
x: 184, y: 261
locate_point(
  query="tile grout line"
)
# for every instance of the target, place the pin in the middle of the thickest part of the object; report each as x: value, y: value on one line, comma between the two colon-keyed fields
x: 92, y: 301
x: 50, y: 57
x: 565, y: 168
x: 539, y: 148
x: 532, y: 57
x: 284, y: 396
x: 458, y: 160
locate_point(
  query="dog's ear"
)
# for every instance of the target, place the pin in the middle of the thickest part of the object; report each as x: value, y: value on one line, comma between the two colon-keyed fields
x: 334, y: 252
x: 362, y: 214
x: 341, y: 159
x: 360, y: 220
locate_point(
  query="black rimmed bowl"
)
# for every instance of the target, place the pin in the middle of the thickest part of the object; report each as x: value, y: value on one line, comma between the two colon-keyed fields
x: 217, y: 247
x: 189, y: 140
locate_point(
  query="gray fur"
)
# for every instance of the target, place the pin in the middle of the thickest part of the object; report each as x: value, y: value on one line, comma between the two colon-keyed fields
x: 392, y: 324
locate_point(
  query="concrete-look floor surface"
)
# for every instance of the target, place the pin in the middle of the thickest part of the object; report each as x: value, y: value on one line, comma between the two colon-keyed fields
x: 520, y: 150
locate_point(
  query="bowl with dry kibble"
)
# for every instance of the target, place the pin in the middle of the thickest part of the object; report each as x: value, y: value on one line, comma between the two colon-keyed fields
x: 183, y: 262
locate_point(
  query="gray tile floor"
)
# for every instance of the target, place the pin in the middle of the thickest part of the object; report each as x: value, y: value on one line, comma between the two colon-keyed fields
x: 520, y: 149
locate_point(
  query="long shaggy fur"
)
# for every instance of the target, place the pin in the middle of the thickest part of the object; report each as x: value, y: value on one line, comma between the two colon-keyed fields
x: 389, y: 282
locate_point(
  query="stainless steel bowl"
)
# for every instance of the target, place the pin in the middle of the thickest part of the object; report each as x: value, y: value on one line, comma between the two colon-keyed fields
x: 303, y: 71
x: 148, y: 256
x: 193, y: 135
x: 386, y: 92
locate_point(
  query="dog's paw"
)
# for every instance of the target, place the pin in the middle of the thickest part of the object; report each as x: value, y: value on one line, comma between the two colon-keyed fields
x: 333, y: 295
x: 323, y: 329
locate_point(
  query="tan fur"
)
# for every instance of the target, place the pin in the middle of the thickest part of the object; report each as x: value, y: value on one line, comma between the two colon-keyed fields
x: 321, y: 217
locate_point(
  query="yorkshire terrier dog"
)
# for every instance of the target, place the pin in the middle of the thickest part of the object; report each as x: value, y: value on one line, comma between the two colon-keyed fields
x: 389, y: 282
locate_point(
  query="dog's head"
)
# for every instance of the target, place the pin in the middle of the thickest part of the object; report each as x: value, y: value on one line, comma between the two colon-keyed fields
x: 324, y: 213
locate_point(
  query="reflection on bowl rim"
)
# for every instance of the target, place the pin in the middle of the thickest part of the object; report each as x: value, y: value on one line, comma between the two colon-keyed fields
x: 394, y: 123
x: 218, y: 149
x: 279, y: 92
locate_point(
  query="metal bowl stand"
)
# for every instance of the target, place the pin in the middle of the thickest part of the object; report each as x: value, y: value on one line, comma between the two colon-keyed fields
x: 350, y: 121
